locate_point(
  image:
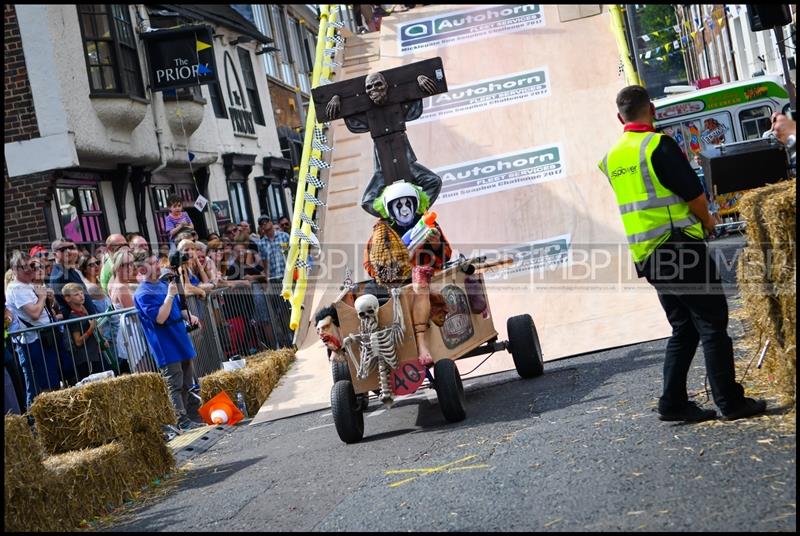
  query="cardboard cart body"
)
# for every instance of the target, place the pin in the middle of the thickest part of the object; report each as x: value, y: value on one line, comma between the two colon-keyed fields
x: 465, y: 333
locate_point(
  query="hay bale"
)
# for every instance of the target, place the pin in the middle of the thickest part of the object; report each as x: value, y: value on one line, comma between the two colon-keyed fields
x: 255, y: 381
x: 69, y: 488
x: 94, y: 481
x: 25, y: 487
x: 767, y: 279
x: 100, y: 412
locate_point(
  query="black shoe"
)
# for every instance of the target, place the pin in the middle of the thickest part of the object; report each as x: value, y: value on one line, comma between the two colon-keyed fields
x: 748, y: 408
x: 691, y: 412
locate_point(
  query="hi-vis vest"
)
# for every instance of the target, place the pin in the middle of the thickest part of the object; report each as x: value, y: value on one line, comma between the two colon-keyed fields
x: 649, y: 210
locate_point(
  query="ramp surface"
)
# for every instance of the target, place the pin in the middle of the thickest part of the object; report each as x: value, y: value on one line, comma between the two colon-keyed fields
x: 529, y: 113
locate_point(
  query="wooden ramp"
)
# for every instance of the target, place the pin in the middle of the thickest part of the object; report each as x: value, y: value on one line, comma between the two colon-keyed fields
x: 529, y: 113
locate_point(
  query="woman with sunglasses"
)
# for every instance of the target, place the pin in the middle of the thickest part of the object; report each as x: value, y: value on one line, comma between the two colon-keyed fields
x: 38, y: 351
x: 90, y: 267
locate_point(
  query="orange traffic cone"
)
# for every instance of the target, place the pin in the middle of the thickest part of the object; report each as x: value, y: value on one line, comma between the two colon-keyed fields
x: 220, y: 410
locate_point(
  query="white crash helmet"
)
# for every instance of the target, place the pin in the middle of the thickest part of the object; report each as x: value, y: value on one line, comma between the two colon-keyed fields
x: 398, y: 190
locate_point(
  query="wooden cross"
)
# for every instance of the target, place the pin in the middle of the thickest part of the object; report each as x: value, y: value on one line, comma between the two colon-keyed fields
x: 386, y: 122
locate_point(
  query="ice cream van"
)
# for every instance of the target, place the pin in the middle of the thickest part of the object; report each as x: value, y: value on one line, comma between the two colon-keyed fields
x: 725, y: 113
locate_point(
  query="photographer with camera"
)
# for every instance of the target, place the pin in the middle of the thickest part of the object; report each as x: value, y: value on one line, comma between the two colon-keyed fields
x: 166, y: 321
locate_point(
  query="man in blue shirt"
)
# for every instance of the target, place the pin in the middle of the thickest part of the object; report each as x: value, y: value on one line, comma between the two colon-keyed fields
x: 272, y: 246
x: 65, y: 271
x: 162, y: 322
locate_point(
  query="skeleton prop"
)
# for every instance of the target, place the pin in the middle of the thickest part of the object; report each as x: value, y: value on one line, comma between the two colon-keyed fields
x: 376, y: 346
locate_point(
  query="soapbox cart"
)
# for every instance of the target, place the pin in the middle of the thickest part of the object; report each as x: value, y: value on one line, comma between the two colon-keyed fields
x: 464, y: 333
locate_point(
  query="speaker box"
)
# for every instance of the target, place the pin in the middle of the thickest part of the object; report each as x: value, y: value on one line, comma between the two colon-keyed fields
x: 768, y: 16
x: 743, y: 165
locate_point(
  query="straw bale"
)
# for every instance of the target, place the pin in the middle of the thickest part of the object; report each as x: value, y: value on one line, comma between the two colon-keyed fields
x: 255, y: 381
x: 24, y: 486
x: 75, y: 486
x: 97, y: 413
x: 767, y: 277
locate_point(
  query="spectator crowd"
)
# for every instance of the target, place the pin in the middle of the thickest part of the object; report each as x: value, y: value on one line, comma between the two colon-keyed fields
x: 62, y: 281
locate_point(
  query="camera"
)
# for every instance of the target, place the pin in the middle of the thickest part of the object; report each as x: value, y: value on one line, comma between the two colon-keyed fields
x: 189, y: 327
x: 177, y: 259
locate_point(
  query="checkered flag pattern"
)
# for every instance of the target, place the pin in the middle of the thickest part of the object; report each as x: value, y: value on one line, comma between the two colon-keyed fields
x: 337, y: 24
x: 314, y: 181
x: 319, y: 135
x: 313, y: 200
x: 338, y: 39
x: 331, y: 64
x: 302, y: 264
x: 317, y: 163
x: 310, y: 239
x: 308, y: 220
x: 320, y: 146
x: 332, y: 51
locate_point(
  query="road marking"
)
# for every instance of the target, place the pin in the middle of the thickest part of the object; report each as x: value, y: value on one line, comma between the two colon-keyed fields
x: 446, y: 468
x: 329, y: 414
x: 318, y: 427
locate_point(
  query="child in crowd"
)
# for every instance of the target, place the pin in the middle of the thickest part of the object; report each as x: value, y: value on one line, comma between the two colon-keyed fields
x: 87, y: 349
x: 176, y: 220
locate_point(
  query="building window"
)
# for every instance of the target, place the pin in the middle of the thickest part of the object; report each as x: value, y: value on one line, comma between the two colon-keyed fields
x: 112, y: 59
x: 261, y: 15
x: 251, y: 88
x: 240, y: 198
x: 217, y: 102
x: 297, y: 40
x: 282, y: 43
x: 81, y: 213
x: 755, y: 121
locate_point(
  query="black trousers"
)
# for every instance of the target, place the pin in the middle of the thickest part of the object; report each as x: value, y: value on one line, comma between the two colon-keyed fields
x: 690, y: 291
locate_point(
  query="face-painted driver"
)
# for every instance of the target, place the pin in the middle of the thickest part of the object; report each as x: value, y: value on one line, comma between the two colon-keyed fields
x: 403, y: 210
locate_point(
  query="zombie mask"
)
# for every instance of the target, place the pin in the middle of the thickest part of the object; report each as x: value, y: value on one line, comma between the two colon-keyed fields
x: 376, y: 88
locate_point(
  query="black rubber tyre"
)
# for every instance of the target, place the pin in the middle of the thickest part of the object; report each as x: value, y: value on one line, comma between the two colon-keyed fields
x: 348, y: 414
x: 524, y: 346
x: 449, y: 390
x: 340, y: 371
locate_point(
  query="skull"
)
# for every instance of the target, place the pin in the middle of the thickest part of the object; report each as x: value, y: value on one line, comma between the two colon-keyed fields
x: 367, y: 307
x: 377, y: 88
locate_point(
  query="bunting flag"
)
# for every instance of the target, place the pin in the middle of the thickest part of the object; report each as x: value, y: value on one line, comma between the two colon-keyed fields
x: 309, y: 221
x: 324, y: 81
x: 313, y: 200
x: 338, y: 39
x: 320, y: 146
x: 320, y: 136
x: 331, y: 64
x: 337, y: 24
x: 313, y: 180
x: 310, y: 239
x: 302, y: 264
x: 317, y: 163
x: 332, y: 51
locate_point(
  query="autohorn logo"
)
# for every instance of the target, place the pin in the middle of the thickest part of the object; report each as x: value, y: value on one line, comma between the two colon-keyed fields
x: 501, y: 172
x: 489, y: 93
x: 464, y: 26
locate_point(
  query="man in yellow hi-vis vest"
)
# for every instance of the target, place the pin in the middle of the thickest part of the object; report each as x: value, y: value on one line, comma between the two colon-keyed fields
x: 665, y: 213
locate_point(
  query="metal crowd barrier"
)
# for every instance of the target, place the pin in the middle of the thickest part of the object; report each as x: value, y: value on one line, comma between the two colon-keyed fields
x: 235, y: 321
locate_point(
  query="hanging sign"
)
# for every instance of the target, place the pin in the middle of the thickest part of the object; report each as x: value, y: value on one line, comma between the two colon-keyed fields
x: 180, y: 57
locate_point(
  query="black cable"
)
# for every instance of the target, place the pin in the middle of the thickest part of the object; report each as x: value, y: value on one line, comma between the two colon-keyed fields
x: 479, y: 364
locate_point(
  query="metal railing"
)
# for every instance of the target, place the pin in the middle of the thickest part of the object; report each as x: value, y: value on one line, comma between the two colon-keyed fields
x: 234, y: 321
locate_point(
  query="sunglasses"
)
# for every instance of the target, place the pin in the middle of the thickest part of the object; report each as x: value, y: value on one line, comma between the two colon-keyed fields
x: 93, y: 264
x: 65, y: 248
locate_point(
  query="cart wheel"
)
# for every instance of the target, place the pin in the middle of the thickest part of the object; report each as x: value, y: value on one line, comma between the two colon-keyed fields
x: 348, y: 414
x: 449, y: 390
x: 523, y: 342
x: 340, y: 371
